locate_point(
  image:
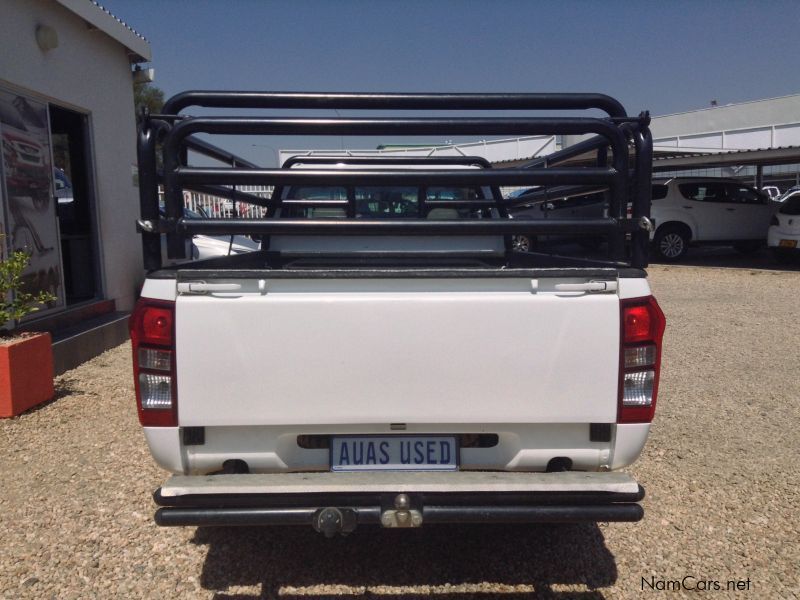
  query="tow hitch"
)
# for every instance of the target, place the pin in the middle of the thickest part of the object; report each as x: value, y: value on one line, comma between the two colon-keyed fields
x: 330, y: 521
x: 334, y: 520
x: 402, y: 515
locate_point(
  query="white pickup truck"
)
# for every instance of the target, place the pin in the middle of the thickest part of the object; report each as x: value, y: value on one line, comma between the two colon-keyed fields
x: 387, y: 357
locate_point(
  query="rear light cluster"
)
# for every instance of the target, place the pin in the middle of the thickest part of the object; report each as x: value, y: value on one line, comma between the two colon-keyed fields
x: 152, y: 328
x: 641, y: 331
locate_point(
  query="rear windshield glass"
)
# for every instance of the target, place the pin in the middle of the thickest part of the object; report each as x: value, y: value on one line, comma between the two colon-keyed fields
x: 384, y: 202
x: 791, y: 206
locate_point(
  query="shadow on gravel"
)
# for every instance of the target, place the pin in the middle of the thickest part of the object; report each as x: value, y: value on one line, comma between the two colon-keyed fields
x: 63, y: 388
x: 294, y: 562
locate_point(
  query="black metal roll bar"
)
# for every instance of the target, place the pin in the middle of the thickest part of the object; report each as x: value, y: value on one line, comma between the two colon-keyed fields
x: 347, y: 100
x: 616, y: 132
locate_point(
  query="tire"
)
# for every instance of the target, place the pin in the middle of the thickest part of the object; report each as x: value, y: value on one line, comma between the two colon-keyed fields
x: 749, y: 247
x: 671, y: 242
x: 521, y: 243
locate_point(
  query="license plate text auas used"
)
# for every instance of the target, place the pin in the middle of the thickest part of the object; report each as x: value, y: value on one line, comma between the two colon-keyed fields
x: 394, y: 453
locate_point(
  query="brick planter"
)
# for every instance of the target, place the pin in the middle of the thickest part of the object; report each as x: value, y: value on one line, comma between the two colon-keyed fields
x: 26, y: 373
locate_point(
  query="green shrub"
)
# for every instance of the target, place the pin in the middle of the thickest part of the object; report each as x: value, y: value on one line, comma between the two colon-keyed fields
x: 15, y: 302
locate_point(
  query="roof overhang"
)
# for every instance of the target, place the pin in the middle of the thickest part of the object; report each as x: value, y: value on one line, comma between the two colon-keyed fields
x: 98, y: 17
x: 768, y: 156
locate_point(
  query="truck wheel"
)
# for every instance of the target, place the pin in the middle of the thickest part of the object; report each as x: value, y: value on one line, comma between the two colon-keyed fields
x: 671, y: 243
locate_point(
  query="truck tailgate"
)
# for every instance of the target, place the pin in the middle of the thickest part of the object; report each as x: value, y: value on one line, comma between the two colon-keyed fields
x: 355, y: 351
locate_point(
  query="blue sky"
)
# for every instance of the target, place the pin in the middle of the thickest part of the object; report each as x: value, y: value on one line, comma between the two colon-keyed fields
x: 662, y: 56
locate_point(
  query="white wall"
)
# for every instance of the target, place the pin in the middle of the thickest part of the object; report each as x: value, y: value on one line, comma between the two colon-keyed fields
x: 88, y: 72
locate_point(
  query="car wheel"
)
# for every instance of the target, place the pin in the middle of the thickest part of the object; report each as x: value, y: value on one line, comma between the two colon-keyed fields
x: 671, y: 243
x: 521, y: 243
x: 749, y: 247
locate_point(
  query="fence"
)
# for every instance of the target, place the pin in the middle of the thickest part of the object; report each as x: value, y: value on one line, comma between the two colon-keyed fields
x: 216, y: 207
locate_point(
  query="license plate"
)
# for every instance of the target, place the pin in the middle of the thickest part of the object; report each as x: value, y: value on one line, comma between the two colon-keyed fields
x: 394, y: 453
x: 788, y: 243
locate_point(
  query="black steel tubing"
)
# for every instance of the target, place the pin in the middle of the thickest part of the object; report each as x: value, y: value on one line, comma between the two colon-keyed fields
x: 400, y: 227
x: 377, y: 126
x: 348, y: 177
x: 386, y: 159
x: 243, y: 517
x: 532, y: 514
x: 642, y: 193
x: 370, y: 515
x: 148, y: 135
x: 393, y: 101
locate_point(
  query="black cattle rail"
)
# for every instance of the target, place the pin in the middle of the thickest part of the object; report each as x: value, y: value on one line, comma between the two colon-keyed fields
x: 626, y: 183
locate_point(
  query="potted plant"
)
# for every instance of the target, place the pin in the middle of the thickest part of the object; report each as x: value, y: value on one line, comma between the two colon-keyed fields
x: 26, y: 359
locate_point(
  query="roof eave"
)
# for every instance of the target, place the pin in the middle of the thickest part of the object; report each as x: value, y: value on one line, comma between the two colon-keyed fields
x: 91, y: 12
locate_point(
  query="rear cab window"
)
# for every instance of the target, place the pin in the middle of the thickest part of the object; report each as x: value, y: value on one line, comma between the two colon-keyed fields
x: 386, y: 202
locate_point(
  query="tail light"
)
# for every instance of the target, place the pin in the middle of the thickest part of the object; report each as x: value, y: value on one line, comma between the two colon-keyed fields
x: 774, y: 220
x: 152, y: 328
x: 641, y: 331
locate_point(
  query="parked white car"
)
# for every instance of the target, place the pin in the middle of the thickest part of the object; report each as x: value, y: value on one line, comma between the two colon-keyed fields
x: 589, y: 206
x: 783, y: 237
x: 772, y: 191
x: 708, y: 210
x: 207, y: 246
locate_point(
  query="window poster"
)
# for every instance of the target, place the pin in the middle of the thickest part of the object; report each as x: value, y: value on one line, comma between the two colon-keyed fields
x: 30, y: 224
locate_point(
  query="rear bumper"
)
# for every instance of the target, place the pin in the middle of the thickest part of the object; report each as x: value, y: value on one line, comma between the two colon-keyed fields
x: 352, y: 499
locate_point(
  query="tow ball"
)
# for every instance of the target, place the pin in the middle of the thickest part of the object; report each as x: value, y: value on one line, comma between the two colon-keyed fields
x: 402, y: 515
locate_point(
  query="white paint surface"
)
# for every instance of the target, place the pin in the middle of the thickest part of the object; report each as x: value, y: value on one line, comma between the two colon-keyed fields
x: 317, y: 355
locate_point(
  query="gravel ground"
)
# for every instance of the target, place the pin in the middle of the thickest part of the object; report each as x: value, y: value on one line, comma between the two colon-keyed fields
x: 720, y: 468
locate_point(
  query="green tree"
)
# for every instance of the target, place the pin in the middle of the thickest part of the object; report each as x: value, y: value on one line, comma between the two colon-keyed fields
x: 149, y: 96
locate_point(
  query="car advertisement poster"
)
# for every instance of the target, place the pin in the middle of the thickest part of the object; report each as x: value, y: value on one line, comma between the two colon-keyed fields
x: 30, y: 224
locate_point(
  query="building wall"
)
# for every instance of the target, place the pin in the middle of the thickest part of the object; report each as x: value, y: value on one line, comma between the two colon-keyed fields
x: 759, y: 113
x: 88, y: 72
x: 770, y: 123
